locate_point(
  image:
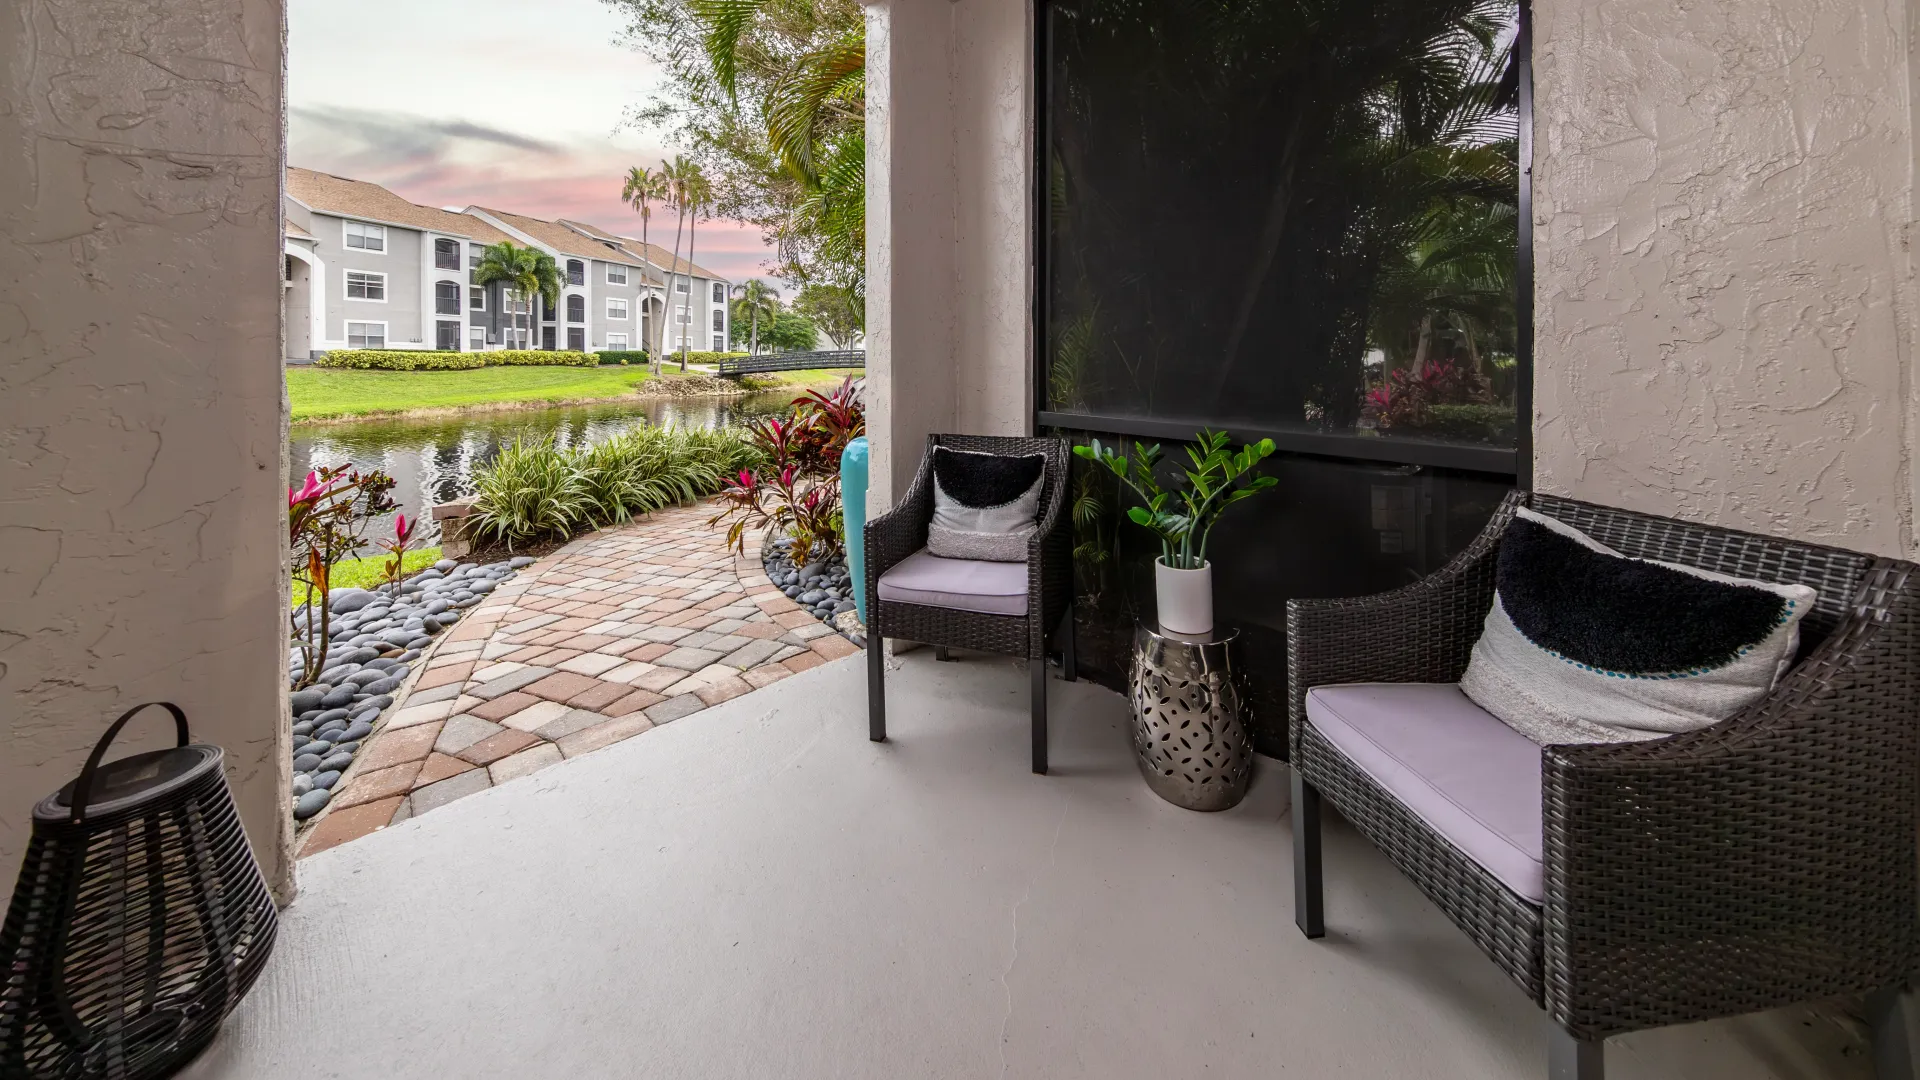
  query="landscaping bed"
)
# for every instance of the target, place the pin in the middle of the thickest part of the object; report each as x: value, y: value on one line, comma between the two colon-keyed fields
x: 373, y: 638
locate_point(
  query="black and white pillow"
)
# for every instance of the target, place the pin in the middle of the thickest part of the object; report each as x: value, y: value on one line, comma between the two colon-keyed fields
x: 1586, y: 645
x: 985, y: 506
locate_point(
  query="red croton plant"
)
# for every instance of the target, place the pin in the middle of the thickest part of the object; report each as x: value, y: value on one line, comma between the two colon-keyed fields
x: 326, y: 518
x: 798, y: 492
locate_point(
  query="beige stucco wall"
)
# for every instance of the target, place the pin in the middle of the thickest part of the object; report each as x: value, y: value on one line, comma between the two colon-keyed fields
x: 949, y: 253
x: 1724, y: 296
x: 141, y: 396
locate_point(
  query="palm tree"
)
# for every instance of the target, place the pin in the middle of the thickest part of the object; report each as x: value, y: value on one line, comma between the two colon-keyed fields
x: 698, y: 195
x: 642, y: 189
x: 527, y: 272
x: 756, y: 297
x: 673, y: 175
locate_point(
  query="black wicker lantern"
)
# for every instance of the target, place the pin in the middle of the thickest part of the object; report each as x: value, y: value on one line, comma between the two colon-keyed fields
x: 139, y: 921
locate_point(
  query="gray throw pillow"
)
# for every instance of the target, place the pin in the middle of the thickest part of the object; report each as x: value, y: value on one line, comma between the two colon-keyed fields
x: 1586, y: 645
x: 985, y: 506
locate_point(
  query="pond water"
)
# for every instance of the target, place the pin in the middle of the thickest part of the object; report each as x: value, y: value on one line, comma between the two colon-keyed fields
x: 432, y: 459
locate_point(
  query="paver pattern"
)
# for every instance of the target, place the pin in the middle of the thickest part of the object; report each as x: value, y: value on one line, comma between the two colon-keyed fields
x: 614, y: 634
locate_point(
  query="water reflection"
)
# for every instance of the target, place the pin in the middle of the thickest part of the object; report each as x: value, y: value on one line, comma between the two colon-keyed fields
x: 432, y: 460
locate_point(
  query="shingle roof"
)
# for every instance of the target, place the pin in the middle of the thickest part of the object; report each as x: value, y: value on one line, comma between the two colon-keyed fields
x: 562, y: 239
x: 358, y: 199
x: 656, y: 254
x: 297, y: 232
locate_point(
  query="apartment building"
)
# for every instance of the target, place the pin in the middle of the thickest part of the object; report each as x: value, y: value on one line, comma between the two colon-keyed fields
x: 366, y: 268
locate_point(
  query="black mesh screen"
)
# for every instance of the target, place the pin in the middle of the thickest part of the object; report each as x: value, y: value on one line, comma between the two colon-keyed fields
x: 1283, y: 214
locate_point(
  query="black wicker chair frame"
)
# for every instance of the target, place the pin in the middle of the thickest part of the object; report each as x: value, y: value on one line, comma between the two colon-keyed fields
x: 902, y: 531
x: 1765, y: 861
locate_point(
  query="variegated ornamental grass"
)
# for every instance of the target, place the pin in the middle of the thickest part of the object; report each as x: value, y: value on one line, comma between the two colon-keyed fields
x: 535, y: 490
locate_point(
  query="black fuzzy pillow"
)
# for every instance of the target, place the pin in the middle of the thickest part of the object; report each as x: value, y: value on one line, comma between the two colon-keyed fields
x: 1584, y: 644
x: 1625, y: 615
x: 985, y: 480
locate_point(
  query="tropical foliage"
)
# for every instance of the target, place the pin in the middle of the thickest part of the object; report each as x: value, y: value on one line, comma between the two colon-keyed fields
x: 529, y: 274
x: 787, y: 331
x: 770, y: 95
x: 534, y: 490
x: 834, y: 310
x: 1183, y: 519
x: 797, y: 493
x: 327, y: 519
x: 753, y: 300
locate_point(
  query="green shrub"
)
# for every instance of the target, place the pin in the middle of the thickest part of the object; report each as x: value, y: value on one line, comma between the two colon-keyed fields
x: 531, y: 490
x: 538, y: 358
x: 401, y: 360
x: 1468, y: 423
x: 437, y: 360
x: 535, y: 490
x: 621, y: 356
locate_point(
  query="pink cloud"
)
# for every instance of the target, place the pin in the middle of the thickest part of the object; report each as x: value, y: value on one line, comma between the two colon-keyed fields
x: 436, y: 164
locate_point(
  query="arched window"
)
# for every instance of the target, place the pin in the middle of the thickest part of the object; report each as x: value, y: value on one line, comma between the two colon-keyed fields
x: 576, y: 272
x: 576, y: 308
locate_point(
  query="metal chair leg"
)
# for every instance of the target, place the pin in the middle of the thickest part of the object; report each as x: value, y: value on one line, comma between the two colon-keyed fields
x: 941, y: 654
x: 1570, y: 1057
x: 1893, y: 1016
x: 1069, y: 668
x: 1308, y: 904
x: 876, y: 685
x: 1038, y: 666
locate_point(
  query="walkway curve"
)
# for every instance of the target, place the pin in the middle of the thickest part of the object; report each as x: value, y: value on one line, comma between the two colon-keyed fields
x: 612, y: 635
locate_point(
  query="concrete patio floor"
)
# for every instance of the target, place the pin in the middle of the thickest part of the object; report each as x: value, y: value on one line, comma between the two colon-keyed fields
x: 758, y: 891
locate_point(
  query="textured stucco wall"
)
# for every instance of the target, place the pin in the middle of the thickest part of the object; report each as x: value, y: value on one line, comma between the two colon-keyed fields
x: 948, y: 236
x: 1724, y: 296
x: 141, y: 396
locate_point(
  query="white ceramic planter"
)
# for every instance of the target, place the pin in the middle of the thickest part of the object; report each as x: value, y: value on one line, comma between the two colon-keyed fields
x: 1185, y: 598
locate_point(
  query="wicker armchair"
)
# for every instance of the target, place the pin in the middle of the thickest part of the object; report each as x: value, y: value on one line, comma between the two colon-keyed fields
x: 1768, y: 860
x: 1047, y: 601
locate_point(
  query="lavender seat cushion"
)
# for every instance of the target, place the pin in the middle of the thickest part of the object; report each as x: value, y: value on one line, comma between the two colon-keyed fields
x: 990, y: 588
x: 1457, y: 767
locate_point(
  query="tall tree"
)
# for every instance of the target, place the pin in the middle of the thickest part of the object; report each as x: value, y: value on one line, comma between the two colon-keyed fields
x: 643, y: 188
x: 770, y: 95
x: 837, y: 310
x: 699, y: 194
x: 674, y: 175
x: 527, y: 272
x: 754, y: 298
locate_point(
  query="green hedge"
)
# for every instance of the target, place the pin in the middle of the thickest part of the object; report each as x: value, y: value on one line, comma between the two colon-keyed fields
x: 401, y: 360
x: 538, y: 358
x: 437, y: 360
x: 621, y: 356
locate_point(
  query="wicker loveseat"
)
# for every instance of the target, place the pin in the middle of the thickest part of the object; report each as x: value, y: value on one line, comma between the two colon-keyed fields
x: 1764, y: 861
x: 1008, y: 608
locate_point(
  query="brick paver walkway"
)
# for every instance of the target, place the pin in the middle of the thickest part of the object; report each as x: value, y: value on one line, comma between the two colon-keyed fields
x: 614, y: 634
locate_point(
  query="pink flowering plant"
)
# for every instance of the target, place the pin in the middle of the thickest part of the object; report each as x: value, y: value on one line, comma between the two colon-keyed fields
x: 397, y: 546
x: 327, y: 518
x: 798, y: 493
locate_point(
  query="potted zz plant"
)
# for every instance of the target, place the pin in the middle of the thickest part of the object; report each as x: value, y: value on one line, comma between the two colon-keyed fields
x: 1184, y: 519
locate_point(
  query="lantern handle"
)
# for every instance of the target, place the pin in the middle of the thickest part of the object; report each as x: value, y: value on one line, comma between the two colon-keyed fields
x: 83, y: 785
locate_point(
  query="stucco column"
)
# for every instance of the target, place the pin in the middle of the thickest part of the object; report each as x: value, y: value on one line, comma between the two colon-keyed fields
x: 949, y: 252
x: 142, y: 403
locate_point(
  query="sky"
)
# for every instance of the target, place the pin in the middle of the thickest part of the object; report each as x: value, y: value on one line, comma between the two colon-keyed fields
x: 511, y: 105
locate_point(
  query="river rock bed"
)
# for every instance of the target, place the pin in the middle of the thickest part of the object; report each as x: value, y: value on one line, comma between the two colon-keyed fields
x: 373, y: 637
x: 823, y: 587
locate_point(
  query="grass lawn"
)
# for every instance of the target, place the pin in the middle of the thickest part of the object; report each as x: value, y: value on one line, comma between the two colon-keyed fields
x: 325, y: 393
x: 368, y: 572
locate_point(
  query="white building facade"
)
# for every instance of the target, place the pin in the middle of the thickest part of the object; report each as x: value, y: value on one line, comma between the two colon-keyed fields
x: 367, y: 269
